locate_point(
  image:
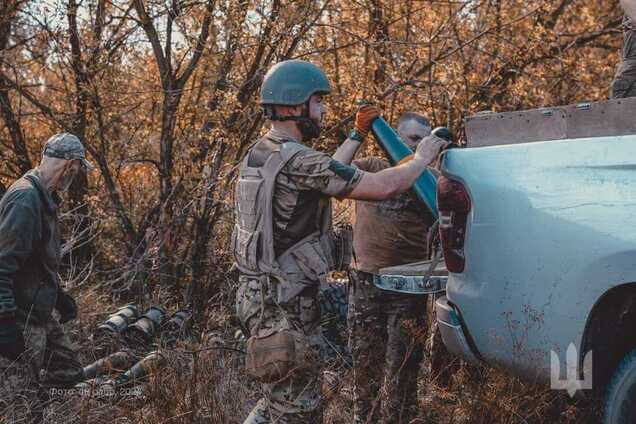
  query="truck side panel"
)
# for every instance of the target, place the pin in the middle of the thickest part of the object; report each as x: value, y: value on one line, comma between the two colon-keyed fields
x: 553, y: 226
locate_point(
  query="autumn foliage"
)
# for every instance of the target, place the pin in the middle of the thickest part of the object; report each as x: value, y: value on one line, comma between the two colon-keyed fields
x: 164, y: 96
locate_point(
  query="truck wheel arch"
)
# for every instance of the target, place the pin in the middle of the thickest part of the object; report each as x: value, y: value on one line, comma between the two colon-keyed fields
x: 610, y: 332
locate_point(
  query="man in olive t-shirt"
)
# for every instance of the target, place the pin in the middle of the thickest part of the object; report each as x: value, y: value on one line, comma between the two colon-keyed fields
x: 387, y: 233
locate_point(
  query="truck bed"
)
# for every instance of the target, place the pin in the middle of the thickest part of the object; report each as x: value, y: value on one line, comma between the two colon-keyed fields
x: 416, y: 268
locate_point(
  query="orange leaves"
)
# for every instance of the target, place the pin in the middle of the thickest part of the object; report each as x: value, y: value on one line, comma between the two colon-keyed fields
x: 445, y: 59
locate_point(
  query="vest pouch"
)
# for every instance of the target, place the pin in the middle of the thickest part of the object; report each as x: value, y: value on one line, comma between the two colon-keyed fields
x: 310, y: 258
x: 301, y: 266
x: 343, y: 247
x: 248, y: 202
x: 273, y: 354
x: 245, y: 248
x: 329, y: 249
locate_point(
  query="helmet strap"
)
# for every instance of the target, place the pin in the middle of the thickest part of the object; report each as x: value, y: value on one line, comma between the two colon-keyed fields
x: 308, y: 128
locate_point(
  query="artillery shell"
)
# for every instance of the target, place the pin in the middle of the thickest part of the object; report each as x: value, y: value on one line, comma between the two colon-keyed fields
x: 115, y: 361
x: 146, y: 326
x: 147, y: 366
x: 117, y: 322
x: 177, y: 327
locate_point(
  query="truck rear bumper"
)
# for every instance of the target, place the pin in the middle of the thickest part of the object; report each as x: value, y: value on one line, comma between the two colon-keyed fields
x: 453, y: 334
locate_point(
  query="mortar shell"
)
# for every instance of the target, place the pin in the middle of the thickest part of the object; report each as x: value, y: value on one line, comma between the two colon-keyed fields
x: 119, y: 321
x: 115, y: 361
x: 147, y: 325
x: 143, y: 368
x: 179, y: 323
x: 156, y: 314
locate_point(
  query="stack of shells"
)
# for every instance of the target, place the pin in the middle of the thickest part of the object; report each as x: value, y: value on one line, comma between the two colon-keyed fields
x: 128, y: 339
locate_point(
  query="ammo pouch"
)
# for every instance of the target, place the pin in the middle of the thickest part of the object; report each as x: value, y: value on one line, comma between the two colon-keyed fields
x: 343, y: 247
x: 305, y: 264
x: 273, y: 354
x: 246, y: 236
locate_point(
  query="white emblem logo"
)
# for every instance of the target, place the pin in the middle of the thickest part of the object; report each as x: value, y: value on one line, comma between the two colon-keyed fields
x: 572, y: 383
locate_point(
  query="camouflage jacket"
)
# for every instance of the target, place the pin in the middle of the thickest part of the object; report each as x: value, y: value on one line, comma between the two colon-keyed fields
x: 310, y: 178
x: 29, y: 250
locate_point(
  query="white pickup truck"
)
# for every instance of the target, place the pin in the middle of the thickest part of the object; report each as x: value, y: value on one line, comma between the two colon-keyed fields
x: 538, y: 228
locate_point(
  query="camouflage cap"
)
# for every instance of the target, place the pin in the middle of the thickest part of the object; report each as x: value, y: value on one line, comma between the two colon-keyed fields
x: 67, y: 146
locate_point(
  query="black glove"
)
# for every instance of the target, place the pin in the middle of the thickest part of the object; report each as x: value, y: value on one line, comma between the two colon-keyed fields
x: 11, y: 340
x: 443, y: 133
x: 66, y: 306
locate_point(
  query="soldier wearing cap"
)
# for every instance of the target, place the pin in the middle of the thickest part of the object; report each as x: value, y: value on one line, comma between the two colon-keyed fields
x: 35, y: 352
x: 282, y: 240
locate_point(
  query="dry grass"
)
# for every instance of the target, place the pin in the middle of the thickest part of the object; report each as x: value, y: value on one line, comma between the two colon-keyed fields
x: 204, y: 383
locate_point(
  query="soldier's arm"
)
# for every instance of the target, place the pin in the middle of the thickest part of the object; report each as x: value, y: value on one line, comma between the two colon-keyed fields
x: 19, y: 228
x: 630, y: 8
x: 392, y: 181
x: 365, y: 116
x: 347, y: 151
x: 370, y: 164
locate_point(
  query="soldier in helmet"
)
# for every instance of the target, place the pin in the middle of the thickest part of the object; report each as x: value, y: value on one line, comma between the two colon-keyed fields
x: 624, y: 84
x: 35, y: 352
x: 282, y: 240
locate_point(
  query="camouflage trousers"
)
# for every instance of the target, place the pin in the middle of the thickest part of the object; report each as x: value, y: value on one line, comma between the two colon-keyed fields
x: 624, y: 83
x: 296, y: 399
x: 386, y: 359
x: 49, y: 361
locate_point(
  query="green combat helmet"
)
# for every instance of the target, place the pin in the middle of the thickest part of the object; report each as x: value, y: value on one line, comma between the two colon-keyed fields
x: 292, y: 83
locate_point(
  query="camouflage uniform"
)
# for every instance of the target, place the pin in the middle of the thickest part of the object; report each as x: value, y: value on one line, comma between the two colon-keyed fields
x: 386, y: 359
x: 296, y: 399
x: 49, y: 361
x: 624, y: 84
x: 300, y: 209
x: 334, y: 304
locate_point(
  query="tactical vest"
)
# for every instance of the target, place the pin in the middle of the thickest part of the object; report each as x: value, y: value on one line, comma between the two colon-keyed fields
x: 304, y: 264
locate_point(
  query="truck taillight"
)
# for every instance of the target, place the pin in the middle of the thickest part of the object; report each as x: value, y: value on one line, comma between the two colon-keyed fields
x: 453, y: 203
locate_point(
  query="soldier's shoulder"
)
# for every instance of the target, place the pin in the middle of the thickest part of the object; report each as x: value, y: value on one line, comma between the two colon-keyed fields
x: 303, y: 157
x: 22, y: 192
x: 291, y: 149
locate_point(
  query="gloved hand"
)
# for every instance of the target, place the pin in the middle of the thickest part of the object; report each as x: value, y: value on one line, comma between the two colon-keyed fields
x: 429, y: 148
x: 364, y: 118
x: 11, y: 340
x: 66, y: 306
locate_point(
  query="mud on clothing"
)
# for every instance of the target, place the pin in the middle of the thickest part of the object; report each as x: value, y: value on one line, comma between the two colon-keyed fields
x: 390, y: 232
